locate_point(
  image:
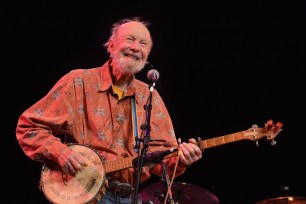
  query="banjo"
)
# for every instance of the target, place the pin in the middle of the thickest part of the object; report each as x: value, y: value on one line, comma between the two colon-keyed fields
x: 89, y: 185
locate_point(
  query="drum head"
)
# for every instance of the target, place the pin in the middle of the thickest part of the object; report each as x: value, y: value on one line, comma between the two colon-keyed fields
x: 182, y: 193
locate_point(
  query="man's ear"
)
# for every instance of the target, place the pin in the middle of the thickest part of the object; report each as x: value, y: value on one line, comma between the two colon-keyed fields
x: 110, y: 45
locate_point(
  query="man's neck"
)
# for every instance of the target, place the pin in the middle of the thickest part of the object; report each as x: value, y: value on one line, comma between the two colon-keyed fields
x: 120, y: 79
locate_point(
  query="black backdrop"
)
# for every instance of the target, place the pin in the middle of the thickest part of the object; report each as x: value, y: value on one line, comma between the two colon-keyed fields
x: 224, y: 65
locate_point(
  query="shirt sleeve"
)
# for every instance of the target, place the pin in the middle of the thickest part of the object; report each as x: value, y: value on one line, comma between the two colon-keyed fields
x: 50, y: 116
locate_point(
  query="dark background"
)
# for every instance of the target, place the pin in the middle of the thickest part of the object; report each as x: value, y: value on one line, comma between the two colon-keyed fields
x: 224, y: 65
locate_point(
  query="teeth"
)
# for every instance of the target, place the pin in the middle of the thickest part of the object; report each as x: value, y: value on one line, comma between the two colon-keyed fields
x: 132, y: 56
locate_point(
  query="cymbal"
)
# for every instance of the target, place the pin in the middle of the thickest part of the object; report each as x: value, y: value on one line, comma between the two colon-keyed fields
x: 182, y: 193
x: 284, y: 199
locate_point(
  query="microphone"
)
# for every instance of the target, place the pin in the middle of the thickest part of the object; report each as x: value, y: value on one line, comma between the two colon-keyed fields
x: 153, y: 75
x: 154, y: 157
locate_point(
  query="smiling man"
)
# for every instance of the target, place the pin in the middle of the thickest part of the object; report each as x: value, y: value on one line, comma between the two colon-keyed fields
x: 102, y: 108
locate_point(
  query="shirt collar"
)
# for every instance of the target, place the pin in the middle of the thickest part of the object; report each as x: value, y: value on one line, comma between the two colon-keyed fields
x: 106, y: 81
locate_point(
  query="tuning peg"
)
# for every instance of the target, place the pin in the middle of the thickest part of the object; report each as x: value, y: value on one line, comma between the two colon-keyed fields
x: 257, y: 143
x: 273, y: 142
x: 278, y: 126
x: 269, y: 123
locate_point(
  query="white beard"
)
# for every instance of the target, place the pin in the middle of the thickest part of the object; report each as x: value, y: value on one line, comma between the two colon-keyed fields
x: 126, y: 65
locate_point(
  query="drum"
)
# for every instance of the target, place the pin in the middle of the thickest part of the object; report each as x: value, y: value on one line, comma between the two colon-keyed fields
x: 182, y: 193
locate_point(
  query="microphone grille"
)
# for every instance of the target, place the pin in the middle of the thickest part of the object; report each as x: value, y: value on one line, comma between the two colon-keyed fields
x: 153, y: 74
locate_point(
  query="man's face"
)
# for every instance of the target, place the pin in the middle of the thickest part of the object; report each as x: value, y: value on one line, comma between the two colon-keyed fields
x: 131, y: 47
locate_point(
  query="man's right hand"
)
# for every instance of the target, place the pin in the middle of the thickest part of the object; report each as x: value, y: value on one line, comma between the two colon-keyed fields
x: 73, y: 162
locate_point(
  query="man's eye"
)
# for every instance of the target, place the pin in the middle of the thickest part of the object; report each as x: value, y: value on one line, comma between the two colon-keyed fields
x: 144, y: 43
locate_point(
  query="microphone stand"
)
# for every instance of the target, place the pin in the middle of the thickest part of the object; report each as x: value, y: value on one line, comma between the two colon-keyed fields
x: 145, y: 139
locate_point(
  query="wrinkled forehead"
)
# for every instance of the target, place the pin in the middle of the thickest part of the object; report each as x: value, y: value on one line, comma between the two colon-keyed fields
x: 134, y: 29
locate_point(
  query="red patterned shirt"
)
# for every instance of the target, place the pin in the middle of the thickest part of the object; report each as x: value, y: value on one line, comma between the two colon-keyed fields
x: 82, y: 108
